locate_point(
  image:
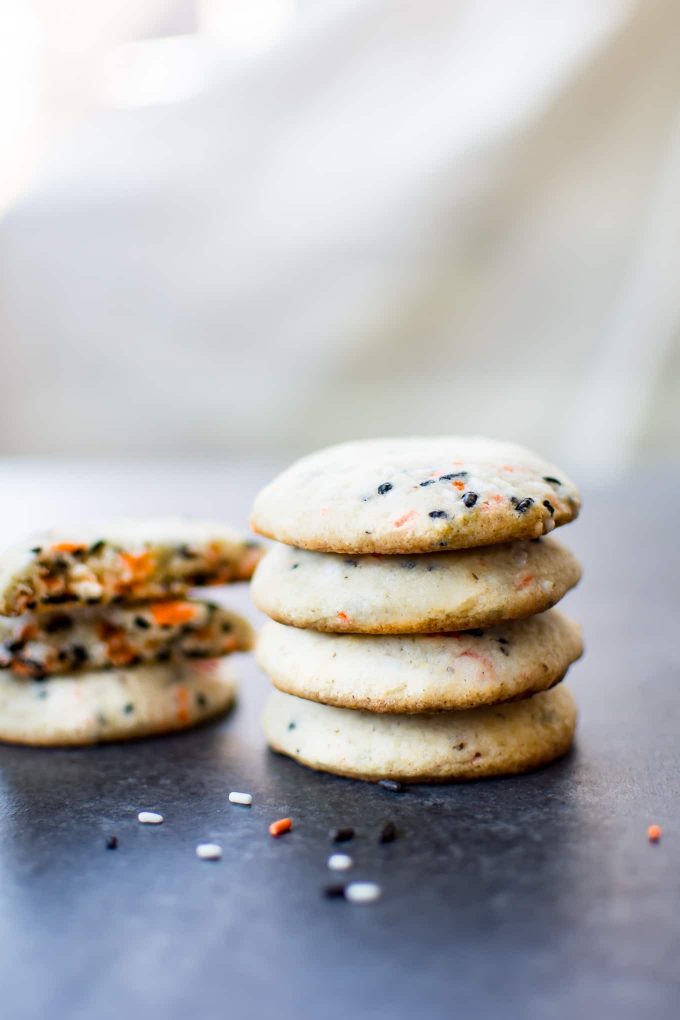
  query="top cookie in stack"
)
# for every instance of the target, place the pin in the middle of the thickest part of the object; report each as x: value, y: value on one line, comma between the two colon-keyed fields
x: 440, y: 538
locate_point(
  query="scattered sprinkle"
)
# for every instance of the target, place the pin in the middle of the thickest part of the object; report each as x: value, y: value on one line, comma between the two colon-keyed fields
x: 342, y: 835
x: 388, y: 833
x: 654, y: 833
x: 209, y: 851
x: 340, y: 862
x: 469, y: 499
x: 149, y: 818
x: 385, y: 487
x: 241, y: 798
x: 335, y: 891
x: 112, y: 842
x: 362, y: 892
x: 435, y: 514
x: 391, y: 784
x: 278, y: 828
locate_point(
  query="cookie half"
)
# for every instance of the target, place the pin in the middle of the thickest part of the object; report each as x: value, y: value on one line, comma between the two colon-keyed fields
x: 116, y: 704
x: 415, y: 495
x: 122, y: 561
x: 413, y: 594
x: 421, y: 673
x: 61, y: 641
x: 493, y: 741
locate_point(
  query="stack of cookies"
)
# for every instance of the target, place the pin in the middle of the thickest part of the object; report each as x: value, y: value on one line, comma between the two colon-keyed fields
x: 412, y: 636
x: 99, y: 640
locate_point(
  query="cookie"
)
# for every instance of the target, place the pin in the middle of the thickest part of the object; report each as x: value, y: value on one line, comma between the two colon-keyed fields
x: 495, y: 740
x: 421, y: 672
x: 115, y: 704
x: 414, y: 495
x: 64, y: 640
x: 121, y: 561
x: 413, y: 594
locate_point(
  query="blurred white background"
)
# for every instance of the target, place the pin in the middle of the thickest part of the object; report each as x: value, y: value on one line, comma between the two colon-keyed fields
x: 256, y: 226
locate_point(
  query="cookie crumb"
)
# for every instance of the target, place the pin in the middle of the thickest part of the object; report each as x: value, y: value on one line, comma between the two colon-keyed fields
x: 654, y: 833
x: 149, y: 818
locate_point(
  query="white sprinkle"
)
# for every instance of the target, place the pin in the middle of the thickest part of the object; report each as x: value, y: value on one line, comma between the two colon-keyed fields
x: 241, y: 798
x: 363, y: 892
x: 149, y: 818
x: 340, y: 862
x: 209, y: 851
x: 546, y: 585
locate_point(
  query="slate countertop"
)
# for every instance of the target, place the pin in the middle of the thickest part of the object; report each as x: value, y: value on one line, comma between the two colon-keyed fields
x: 532, y: 897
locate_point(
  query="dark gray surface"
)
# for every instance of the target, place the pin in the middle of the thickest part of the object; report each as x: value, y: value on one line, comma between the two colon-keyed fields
x: 531, y: 897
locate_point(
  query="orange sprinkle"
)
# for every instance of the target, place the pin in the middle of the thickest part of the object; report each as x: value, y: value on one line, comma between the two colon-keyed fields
x: 654, y: 833
x: 140, y: 565
x: 342, y: 616
x: 409, y: 515
x: 182, y: 696
x: 459, y: 485
x: 172, y: 612
x: 524, y: 581
x: 67, y: 547
x: 278, y: 828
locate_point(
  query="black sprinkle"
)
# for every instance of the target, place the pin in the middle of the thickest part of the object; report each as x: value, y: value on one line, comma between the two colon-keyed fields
x: 96, y: 547
x: 58, y: 622
x: 524, y: 505
x: 291, y: 725
x: 388, y: 833
x: 295, y: 566
x: 129, y: 708
x: 385, y: 487
x: 342, y: 835
x: 454, y: 474
x: 409, y: 564
x: 14, y: 646
x: 428, y: 481
x: 112, y: 842
x: 549, y: 507
x: 436, y: 514
x: 36, y: 550
x: 552, y: 481
x: 335, y: 891
x: 503, y: 641
x: 469, y: 498
x: 142, y: 623
x: 391, y: 784
x: 37, y: 667
x: 476, y: 632
x: 350, y: 563
x: 79, y: 653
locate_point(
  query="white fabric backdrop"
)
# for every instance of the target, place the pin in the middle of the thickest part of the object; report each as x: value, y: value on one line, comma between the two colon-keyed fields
x: 404, y: 217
